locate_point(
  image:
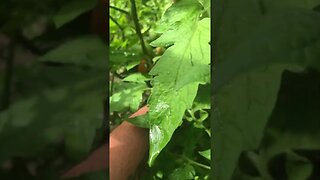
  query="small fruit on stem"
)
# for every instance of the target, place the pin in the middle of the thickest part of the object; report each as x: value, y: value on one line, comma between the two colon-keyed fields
x: 159, y: 51
x: 143, y: 66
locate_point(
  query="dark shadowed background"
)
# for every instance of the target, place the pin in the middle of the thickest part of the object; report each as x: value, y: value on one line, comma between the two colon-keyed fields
x: 53, y: 75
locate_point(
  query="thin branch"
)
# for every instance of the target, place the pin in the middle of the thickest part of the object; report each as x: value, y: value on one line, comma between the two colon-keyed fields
x: 120, y: 10
x: 112, y: 82
x: 120, y: 27
x: 145, y: 32
x: 145, y: 4
x: 138, y: 31
x: 115, y: 21
x: 195, y: 163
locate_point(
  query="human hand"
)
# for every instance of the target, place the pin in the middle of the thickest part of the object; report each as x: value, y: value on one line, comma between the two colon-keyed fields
x: 128, y: 146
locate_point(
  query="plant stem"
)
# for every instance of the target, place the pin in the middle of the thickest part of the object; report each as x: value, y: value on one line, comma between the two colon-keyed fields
x: 120, y: 27
x: 112, y: 82
x: 208, y: 131
x: 195, y: 163
x: 120, y: 10
x: 137, y: 28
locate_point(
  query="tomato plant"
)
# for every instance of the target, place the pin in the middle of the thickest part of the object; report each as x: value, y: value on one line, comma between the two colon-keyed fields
x: 173, y: 40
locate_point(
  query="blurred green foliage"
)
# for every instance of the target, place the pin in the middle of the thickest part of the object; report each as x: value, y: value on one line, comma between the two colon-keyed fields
x: 266, y: 90
x: 54, y: 118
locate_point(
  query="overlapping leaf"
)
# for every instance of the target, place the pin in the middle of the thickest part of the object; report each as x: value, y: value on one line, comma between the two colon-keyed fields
x: 253, y: 56
x: 249, y: 99
x: 284, y: 130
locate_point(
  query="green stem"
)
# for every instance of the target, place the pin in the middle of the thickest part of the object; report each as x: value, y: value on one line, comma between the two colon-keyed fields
x: 120, y: 10
x: 111, y: 85
x: 208, y: 131
x: 191, y: 114
x: 195, y: 163
x: 138, y: 30
x: 120, y: 27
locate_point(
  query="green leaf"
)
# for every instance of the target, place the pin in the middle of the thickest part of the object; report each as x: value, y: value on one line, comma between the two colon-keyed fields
x: 281, y: 37
x: 187, y: 61
x: 21, y: 108
x: 206, y: 154
x: 82, y: 130
x: 72, y: 9
x: 140, y: 121
x: 230, y: 28
x: 174, y: 17
x: 297, y: 167
x: 241, y: 112
x: 55, y: 115
x: 184, y: 173
x: 248, y: 75
x: 87, y: 51
x: 128, y: 96
x: 124, y: 58
x: 136, y: 77
x: 178, y: 73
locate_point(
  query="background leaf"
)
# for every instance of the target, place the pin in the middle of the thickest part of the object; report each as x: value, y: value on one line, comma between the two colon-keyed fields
x: 71, y: 10
x: 254, y: 47
x: 298, y: 167
x: 130, y: 96
x: 187, y: 172
x: 76, y: 119
x: 86, y: 51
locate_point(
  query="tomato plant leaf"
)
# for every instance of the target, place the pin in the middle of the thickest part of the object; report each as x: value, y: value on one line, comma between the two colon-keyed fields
x: 178, y: 72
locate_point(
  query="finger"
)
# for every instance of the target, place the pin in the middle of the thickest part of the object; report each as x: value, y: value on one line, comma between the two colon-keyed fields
x: 140, y: 112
